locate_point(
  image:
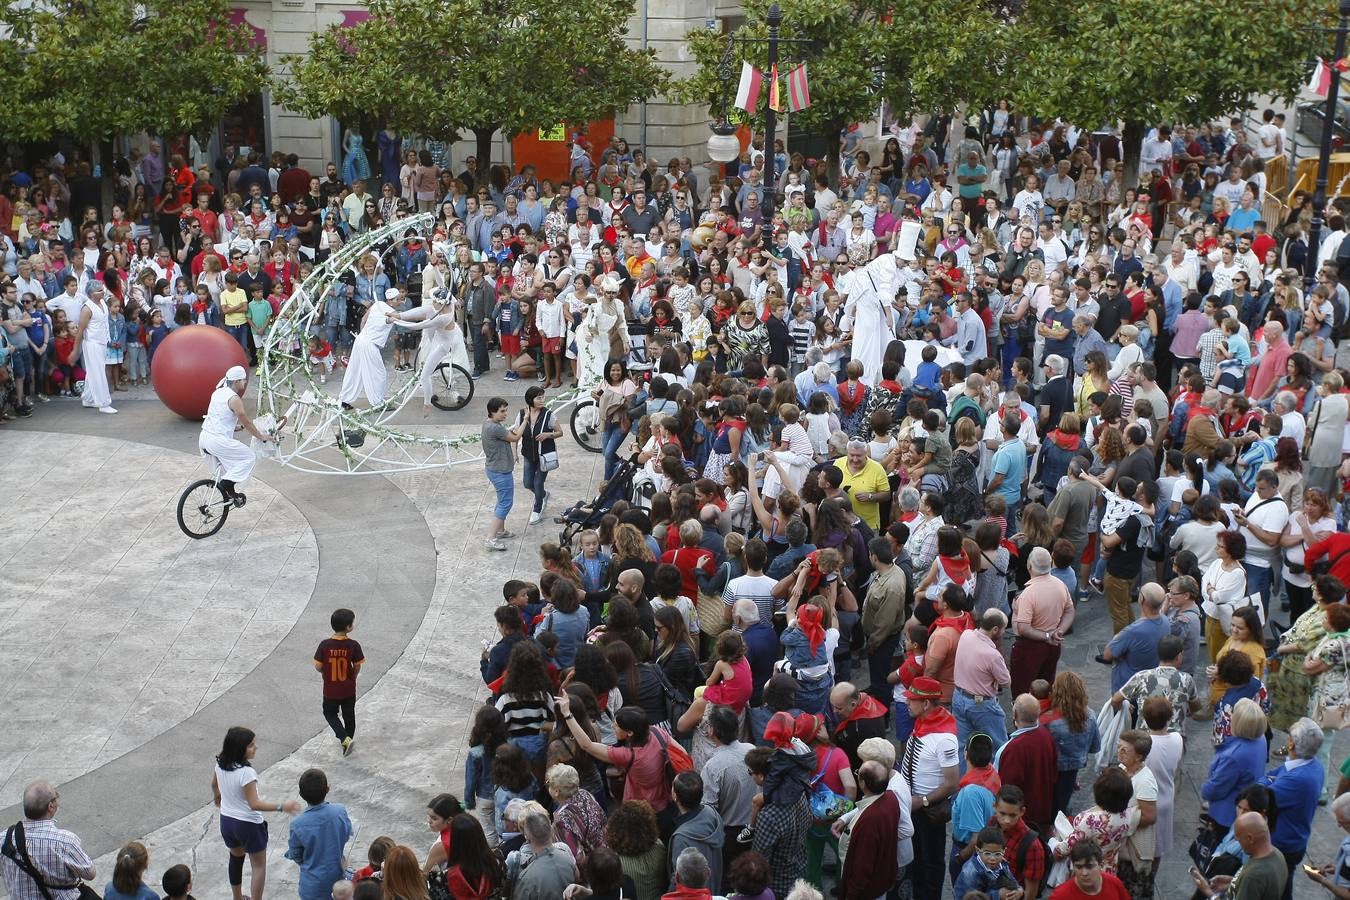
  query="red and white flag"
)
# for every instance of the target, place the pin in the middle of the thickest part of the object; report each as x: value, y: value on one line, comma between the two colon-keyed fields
x: 799, y: 92
x: 1321, y: 79
x: 747, y: 92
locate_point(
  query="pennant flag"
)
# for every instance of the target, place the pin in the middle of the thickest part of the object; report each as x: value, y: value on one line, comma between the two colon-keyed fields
x: 1321, y: 79
x: 775, y: 101
x: 799, y: 93
x: 747, y: 92
x: 1341, y: 65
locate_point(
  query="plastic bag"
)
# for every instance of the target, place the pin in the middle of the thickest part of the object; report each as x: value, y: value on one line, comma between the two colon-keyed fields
x: 264, y: 449
x: 1110, y: 723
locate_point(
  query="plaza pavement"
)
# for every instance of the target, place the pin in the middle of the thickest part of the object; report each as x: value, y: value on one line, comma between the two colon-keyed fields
x: 118, y: 637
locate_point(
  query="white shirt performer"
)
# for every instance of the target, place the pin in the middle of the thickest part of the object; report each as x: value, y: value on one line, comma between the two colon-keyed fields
x: 869, y: 292
x: 444, y: 339
x: 366, y: 373
x: 91, y: 345
x: 224, y: 416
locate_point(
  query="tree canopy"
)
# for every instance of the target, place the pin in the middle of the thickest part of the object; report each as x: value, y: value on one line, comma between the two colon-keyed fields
x: 96, y: 68
x: 919, y: 58
x: 474, y: 65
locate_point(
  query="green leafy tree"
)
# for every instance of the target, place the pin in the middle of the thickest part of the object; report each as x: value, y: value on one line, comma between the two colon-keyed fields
x: 477, y: 65
x: 1148, y: 62
x: 919, y: 58
x: 96, y: 68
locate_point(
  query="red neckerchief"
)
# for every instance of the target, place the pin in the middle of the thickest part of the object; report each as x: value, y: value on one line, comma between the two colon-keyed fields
x: 957, y: 567
x: 851, y: 394
x: 870, y: 708
x: 1066, y: 441
x: 986, y: 777
x: 936, y: 721
x: 892, y: 386
x: 963, y: 622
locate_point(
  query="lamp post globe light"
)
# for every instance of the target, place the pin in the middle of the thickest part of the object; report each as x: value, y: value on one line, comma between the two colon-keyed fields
x: 723, y: 145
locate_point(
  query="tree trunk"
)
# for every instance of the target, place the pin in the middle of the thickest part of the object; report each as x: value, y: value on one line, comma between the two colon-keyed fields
x: 483, y: 136
x: 1131, y: 141
x: 833, y: 164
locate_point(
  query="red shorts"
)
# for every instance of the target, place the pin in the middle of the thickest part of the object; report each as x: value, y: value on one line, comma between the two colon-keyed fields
x: 553, y: 345
x: 510, y: 345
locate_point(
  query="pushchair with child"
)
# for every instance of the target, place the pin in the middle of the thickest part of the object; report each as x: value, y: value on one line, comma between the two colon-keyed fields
x: 583, y: 515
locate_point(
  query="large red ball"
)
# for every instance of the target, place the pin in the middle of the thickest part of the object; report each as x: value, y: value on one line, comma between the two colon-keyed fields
x: 189, y: 364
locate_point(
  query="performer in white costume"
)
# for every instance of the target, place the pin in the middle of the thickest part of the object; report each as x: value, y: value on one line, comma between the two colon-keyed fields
x: 869, y: 292
x: 601, y: 319
x: 234, y: 460
x: 91, y: 346
x: 443, y: 339
x: 366, y: 373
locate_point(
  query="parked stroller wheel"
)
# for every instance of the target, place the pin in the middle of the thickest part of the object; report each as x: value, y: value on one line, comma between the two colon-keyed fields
x: 587, y: 430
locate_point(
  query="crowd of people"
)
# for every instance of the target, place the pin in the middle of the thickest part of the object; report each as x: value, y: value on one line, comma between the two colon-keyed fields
x: 866, y: 459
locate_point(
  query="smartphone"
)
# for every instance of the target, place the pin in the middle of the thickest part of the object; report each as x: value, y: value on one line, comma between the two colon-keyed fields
x: 1311, y: 870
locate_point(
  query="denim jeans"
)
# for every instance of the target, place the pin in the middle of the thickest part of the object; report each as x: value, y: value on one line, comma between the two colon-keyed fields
x: 505, y: 485
x: 614, y: 436
x: 533, y: 481
x: 481, y: 363
x: 240, y: 334
x: 976, y: 716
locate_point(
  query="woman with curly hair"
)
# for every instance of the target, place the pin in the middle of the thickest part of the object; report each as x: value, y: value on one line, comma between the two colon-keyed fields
x: 631, y: 550
x: 526, y: 701
x: 513, y: 780
x: 632, y: 833
x: 1074, y: 728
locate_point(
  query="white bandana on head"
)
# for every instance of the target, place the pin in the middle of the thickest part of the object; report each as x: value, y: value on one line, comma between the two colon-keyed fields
x: 235, y: 373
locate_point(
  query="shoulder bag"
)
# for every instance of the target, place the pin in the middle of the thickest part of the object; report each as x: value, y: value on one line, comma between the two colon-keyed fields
x: 15, y: 847
x: 1334, y: 718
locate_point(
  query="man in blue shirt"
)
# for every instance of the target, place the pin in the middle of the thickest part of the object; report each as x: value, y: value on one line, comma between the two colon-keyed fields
x: 319, y: 835
x: 1297, y: 784
x: 1135, y: 647
x: 1009, y: 467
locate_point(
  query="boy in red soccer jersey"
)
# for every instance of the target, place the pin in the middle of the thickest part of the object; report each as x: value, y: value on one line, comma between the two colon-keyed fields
x: 338, y: 659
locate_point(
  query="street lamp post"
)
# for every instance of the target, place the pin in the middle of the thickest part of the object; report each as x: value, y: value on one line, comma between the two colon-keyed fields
x: 1324, y: 154
x: 722, y: 145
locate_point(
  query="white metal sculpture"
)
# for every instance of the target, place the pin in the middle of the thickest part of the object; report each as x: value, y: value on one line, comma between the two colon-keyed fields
x: 319, y: 435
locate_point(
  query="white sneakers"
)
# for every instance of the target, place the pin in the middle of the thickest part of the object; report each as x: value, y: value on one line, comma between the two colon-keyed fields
x: 108, y: 410
x: 536, y: 518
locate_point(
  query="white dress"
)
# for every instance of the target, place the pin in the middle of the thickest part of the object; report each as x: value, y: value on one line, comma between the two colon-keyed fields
x: 869, y: 291
x: 443, y: 339
x: 217, y: 438
x: 1162, y: 761
x: 366, y: 373
x: 593, y: 343
x: 93, y: 354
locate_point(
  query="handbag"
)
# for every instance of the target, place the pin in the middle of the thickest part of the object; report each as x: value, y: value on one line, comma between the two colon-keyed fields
x: 1202, y: 848
x: 826, y: 805
x: 1334, y: 718
x: 939, y: 813
x: 548, y: 461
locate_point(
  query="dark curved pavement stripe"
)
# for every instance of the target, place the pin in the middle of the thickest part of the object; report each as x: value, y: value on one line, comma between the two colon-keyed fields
x: 376, y: 556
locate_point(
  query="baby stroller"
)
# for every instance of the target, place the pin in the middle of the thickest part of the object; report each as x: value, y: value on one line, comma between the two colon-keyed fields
x: 582, y: 515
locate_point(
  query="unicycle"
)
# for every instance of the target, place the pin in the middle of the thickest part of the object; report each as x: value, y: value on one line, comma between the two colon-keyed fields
x: 203, y: 508
x: 451, y: 386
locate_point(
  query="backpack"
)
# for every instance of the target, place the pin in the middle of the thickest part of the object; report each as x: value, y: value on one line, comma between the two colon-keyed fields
x: 677, y: 758
x: 1023, y: 847
x: 964, y: 406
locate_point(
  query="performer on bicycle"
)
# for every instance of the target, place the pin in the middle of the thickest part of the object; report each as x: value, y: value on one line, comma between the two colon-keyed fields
x: 224, y: 417
x: 437, y: 319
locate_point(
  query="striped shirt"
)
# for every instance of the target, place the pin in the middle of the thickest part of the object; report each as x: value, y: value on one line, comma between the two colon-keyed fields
x: 57, y: 854
x: 525, y: 716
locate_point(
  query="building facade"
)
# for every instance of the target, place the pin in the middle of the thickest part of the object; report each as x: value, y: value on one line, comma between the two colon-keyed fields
x: 283, y: 28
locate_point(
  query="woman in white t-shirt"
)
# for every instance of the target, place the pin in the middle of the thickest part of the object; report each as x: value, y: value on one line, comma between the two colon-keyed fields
x: 235, y: 789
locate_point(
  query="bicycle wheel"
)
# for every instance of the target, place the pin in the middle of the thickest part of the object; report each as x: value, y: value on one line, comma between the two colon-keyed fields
x: 452, y: 388
x: 202, y: 509
x: 586, y: 428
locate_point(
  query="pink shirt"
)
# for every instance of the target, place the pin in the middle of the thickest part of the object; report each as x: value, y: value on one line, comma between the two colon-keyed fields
x: 1042, y: 603
x: 980, y: 668
x: 1270, y: 368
